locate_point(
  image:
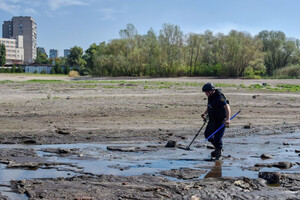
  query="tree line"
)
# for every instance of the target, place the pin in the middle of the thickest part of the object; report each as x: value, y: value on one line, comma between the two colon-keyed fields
x: 173, y: 53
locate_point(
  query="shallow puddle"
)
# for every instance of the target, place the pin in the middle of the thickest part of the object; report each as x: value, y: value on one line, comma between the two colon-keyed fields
x: 240, y: 154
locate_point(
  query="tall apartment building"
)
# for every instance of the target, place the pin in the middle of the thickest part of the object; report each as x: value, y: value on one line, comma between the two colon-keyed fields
x: 53, y: 53
x: 26, y: 27
x: 66, y: 52
x: 14, y: 50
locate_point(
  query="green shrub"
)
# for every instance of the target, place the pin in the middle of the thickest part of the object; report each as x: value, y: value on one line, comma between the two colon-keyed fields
x: 292, y: 71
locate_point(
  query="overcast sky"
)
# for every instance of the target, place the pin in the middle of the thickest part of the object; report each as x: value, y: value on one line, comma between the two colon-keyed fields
x: 62, y: 24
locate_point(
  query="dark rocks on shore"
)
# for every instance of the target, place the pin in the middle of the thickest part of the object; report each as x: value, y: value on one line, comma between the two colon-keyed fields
x: 266, y: 156
x: 64, y: 131
x: 248, y: 126
x: 184, y: 173
x: 171, y: 143
x: 281, y: 165
x: 270, y: 177
x: 123, y: 148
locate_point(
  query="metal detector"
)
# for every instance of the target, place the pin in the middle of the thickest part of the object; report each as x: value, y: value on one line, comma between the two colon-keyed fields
x: 188, y: 148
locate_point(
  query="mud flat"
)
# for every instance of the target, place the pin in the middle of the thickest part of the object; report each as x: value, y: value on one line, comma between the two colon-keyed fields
x: 104, y: 138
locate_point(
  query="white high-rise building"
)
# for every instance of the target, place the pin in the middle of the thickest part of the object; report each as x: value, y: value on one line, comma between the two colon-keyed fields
x: 26, y: 27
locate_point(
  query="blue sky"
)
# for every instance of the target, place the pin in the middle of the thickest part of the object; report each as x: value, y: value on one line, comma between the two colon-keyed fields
x: 62, y: 24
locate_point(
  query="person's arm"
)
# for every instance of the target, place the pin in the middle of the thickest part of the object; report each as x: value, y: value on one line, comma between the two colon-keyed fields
x: 228, y: 113
x: 204, y: 114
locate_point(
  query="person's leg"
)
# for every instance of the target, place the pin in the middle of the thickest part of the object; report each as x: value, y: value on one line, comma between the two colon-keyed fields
x: 218, y: 142
x: 210, y: 129
x: 217, y: 139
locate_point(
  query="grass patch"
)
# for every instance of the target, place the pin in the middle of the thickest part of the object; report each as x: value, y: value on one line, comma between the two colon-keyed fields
x: 289, y: 87
x: 6, y: 81
x: 44, y: 81
x: 277, y: 88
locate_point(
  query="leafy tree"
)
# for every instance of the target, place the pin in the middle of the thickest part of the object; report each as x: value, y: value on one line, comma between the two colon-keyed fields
x: 66, y: 69
x: 239, y: 51
x: 151, y: 52
x: 171, y: 41
x: 13, y: 69
x: 278, y: 50
x: 194, y: 42
x: 92, y: 53
x: 20, y: 69
x: 2, y: 54
x: 52, y: 71
x: 41, y: 58
x: 76, y: 61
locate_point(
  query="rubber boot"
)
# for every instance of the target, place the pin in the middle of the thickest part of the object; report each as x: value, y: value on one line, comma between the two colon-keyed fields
x: 218, y: 154
x: 213, y: 154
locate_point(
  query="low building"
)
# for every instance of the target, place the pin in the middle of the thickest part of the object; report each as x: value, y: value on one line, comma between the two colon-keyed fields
x: 14, y: 49
x: 38, y: 68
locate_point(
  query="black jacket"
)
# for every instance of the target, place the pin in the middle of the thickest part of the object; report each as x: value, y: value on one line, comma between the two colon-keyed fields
x: 215, y: 106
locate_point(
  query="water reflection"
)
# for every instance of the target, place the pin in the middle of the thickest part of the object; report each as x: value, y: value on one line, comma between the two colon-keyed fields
x: 216, y: 171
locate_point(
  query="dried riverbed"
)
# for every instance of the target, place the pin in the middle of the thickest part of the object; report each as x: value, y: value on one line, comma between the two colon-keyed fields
x: 106, y: 140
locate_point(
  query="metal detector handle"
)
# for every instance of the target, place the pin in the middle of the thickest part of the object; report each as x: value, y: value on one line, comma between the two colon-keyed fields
x: 197, y: 134
x: 222, y: 125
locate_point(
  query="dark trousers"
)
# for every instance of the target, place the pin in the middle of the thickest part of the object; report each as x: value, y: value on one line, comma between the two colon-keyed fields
x: 216, y: 139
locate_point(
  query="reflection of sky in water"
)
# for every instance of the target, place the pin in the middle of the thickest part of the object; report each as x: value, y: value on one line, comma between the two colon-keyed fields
x: 8, y: 174
x: 244, y: 151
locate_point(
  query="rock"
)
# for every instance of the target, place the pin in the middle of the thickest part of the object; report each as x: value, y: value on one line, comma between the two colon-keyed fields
x: 195, y: 198
x: 283, y: 165
x: 184, y: 173
x: 122, y: 148
x: 30, y: 141
x: 266, y: 156
x: 60, y: 150
x: 171, y: 143
x: 63, y: 131
x: 270, y: 177
x: 26, y: 165
x: 248, y: 126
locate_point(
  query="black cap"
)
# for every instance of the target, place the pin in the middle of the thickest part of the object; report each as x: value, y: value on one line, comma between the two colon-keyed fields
x: 208, y: 87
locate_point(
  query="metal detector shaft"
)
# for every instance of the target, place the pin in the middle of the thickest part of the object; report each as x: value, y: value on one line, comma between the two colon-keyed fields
x: 222, y: 125
x: 196, y: 134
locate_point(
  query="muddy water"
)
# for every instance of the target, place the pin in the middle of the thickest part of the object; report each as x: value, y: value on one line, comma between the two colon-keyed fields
x: 240, y: 153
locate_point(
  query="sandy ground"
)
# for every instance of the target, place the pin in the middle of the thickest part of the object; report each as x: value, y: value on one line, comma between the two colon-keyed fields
x: 138, y: 110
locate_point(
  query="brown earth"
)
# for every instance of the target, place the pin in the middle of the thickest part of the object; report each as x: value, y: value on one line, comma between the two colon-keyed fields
x: 82, y: 112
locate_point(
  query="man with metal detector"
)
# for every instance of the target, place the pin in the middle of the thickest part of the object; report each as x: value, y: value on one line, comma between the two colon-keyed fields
x: 218, y: 112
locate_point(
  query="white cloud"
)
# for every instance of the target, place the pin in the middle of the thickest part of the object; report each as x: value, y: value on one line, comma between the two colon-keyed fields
x: 31, y: 11
x: 57, y: 4
x: 9, y: 7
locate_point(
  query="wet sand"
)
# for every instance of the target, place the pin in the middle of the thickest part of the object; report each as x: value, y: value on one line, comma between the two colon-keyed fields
x: 63, y: 130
